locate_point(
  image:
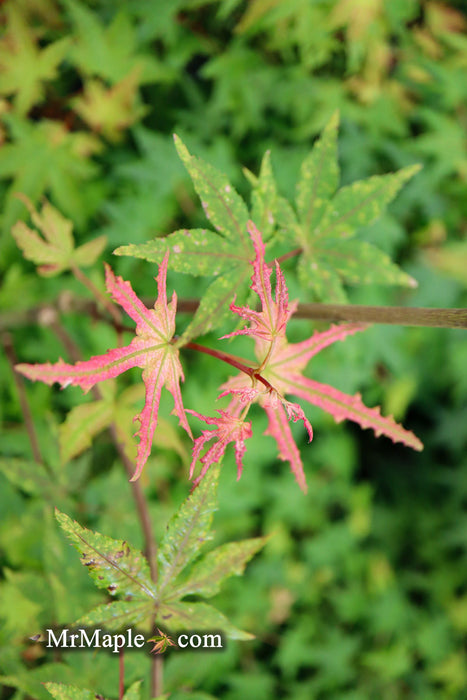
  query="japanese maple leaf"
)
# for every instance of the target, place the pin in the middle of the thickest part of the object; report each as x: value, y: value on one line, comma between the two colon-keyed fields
x: 151, y: 349
x: 230, y: 428
x: 281, y: 366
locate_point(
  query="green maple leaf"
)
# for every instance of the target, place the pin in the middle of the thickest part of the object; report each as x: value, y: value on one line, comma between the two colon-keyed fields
x: 109, y: 51
x: 56, y: 251
x: 225, y: 254
x: 71, y: 692
x: 83, y: 423
x: 24, y: 65
x: 110, y: 110
x: 326, y: 221
x: 122, y: 570
x: 46, y: 156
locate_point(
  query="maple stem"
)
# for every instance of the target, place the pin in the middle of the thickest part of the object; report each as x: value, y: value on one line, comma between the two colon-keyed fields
x: 291, y: 254
x: 232, y: 360
x: 7, y: 343
x: 97, y: 294
x: 121, y: 674
x: 394, y: 315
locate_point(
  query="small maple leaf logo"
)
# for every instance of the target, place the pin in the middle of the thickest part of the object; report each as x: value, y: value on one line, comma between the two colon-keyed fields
x: 161, y: 643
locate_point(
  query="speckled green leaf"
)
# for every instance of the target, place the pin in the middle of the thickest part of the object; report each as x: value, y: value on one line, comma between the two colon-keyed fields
x: 120, y: 614
x: 321, y: 279
x: 263, y: 197
x: 188, y: 530
x: 112, y: 564
x: 81, y: 425
x: 359, y: 262
x: 69, y: 692
x: 214, y: 306
x: 197, y: 616
x: 360, y: 203
x: 290, y: 229
x: 319, y: 176
x: 194, y: 252
x: 222, y: 205
x: 211, y: 571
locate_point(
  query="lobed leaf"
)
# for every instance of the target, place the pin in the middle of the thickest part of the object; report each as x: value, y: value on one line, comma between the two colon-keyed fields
x: 198, y: 616
x: 151, y: 350
x: 193, y: 252
x: 360, y: 262
x: 214, y: 307
x: 319, y: 176
x: 187, y: 531
x: 81, y: 425
x: 279, y: 429
x: 360, y: 203
x: 230, y: 428
x: 112, y: 564
x: 342, y: 406
x: 120, y: 614
x: 264, y: 196
x: 322, y: 279
x: 222, y: 205
x: 70, y: 692
x: 270, y: 322
x: 208, y: 575
x: 56, y: 251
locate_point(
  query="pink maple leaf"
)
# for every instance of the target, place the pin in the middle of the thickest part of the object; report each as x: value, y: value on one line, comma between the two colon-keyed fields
x: 281, y: 366
x: 230, y: 428
x: 151, y: 349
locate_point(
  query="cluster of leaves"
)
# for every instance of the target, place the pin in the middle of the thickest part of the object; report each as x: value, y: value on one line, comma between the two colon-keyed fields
x: 374, y: 551
x: 280, y: 364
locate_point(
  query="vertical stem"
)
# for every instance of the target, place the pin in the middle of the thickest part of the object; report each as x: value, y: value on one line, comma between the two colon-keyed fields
x: 157, y: 679
x: 121, y: 674
x: 7, y: 343
x: 150, y: 548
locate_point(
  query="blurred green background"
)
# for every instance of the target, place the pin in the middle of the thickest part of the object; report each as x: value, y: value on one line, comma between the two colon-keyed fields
x: 362, y: 591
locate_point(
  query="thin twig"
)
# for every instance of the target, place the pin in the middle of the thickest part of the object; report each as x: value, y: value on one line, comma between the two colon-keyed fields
x: 121, y: 674
x: 394, y: 315
x: 7, y: 343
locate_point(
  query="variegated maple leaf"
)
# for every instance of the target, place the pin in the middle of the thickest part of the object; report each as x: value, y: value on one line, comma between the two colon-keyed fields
x: 151, y: 349
x: 280, y: 371
x: 230, y: 428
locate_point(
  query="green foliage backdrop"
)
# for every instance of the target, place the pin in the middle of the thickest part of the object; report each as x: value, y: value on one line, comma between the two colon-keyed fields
x: 361, y: 591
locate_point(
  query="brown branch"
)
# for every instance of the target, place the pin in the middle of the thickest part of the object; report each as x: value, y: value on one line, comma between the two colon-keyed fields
x: 121, y: 674
x: 394, y: 315
x: 7, y: 343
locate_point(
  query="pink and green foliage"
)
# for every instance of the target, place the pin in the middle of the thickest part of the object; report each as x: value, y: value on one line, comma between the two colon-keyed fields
x: 151, y: 349
x: 279, y: 372
x: 230, y: 428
